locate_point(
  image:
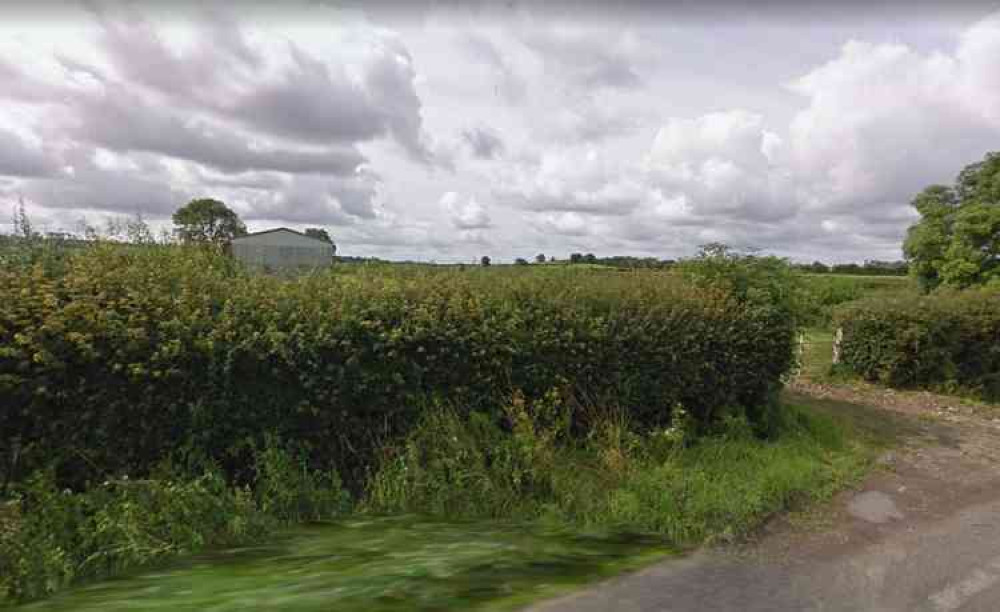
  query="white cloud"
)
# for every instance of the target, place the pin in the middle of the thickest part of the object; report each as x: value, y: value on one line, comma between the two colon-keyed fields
x: 566, y: 223
x: 467, y: 215
x: 573, y: 179
x: 884, y: 120
x: 541, y: 130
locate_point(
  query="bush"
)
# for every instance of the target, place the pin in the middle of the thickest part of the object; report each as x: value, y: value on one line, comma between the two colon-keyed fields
x: 55, y: 537
x: 473, y: 465
x: 948, y: 340
x: 613, y: 477
x: 131, y: 352
x: 286, y: 489
x: 52, y: 537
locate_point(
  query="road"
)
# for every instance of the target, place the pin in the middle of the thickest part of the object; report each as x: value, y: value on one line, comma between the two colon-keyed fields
x: 921, y: 534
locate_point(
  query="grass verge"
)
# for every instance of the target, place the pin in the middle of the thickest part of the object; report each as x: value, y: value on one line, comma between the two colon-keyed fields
x: 661, y: 483
x: 494, y: 516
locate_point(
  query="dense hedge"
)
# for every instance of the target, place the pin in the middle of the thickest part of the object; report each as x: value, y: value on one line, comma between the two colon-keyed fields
x: 948, y: 340
x: 126, y: 354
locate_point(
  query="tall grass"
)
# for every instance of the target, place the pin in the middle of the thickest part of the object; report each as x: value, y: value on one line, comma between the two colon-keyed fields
x: 613, y: 475
x: 52, y: 537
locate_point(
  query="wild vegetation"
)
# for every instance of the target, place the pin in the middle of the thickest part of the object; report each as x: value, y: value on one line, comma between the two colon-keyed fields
x: 666, y: 481
x: 53, y: 536
x: 161, y: 400
x: 117, y: 358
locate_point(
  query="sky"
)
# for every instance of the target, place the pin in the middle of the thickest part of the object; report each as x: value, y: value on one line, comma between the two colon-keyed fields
x: 444, y: 131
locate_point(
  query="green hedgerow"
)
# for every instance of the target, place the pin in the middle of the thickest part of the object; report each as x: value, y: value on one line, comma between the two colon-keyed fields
x: 947, y: 340
x: 126, y: 353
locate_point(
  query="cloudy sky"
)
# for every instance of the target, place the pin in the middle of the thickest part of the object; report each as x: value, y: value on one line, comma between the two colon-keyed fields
x: 445, y: 131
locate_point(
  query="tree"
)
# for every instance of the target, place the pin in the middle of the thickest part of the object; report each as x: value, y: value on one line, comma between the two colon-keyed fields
x: 207, y: 220
x: 485, y: 260
x: 22, y: 224
x: 540, y: 258
x: 956, y: 242
x: 575, y: 258
x: 321, y: 234
x: 590, y: 258
x: 520, y: 261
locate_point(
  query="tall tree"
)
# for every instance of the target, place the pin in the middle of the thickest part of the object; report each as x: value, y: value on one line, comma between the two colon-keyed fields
x: 21, y: 222
x: 206, y: 220
x: 485, y: 260
x: 321, y: 234
x: 957, y: 239
x: 540, y: 258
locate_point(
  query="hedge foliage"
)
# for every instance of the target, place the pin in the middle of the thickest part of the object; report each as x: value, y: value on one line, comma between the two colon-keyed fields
x: 948, y: 340
x: 125, y: 354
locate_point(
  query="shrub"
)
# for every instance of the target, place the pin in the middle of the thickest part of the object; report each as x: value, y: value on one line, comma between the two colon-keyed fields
x: 948, y: 340
x: 472, y: 465
x: 615, y: 476
x: 55, y: 537
x: 287, y: 489
x: 130, y: 352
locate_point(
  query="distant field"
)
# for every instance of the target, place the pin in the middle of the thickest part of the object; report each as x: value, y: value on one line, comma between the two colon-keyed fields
x: 869, y: 279
x: 824, y: 292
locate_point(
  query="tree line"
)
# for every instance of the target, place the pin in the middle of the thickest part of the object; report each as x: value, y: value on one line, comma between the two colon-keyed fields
x: 871, y: 267
x: 200, y: 221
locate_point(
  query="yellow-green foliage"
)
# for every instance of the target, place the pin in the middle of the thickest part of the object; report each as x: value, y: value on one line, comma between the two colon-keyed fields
x: 948, y: 339
x: 130, y: 352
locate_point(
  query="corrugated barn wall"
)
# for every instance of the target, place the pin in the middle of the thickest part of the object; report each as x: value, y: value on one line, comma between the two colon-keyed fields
x: 281, y: 249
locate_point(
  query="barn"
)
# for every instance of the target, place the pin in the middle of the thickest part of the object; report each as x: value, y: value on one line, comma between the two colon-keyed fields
x: 281, y: 248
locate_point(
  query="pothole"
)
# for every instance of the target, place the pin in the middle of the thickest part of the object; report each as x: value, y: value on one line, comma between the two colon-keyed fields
x: 874, y: 507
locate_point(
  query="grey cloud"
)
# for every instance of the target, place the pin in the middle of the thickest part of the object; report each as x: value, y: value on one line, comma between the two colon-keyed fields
x: 18, y: 159
x: 509, y: 84
x: 279, y: 135
x: 585, y: 57
x: 315, y: 199
x: 122, y: 121
x: 594, y: 203
x: 137, y: 50
x: 590, y: 122
x: 263, y: 181
x: 19, y: 86
x: 389, y: 78
x: 315, y: 102
x: 312, y: 104
x: 107, y: 190
x: 484, y: 142
x: 311, y: 101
